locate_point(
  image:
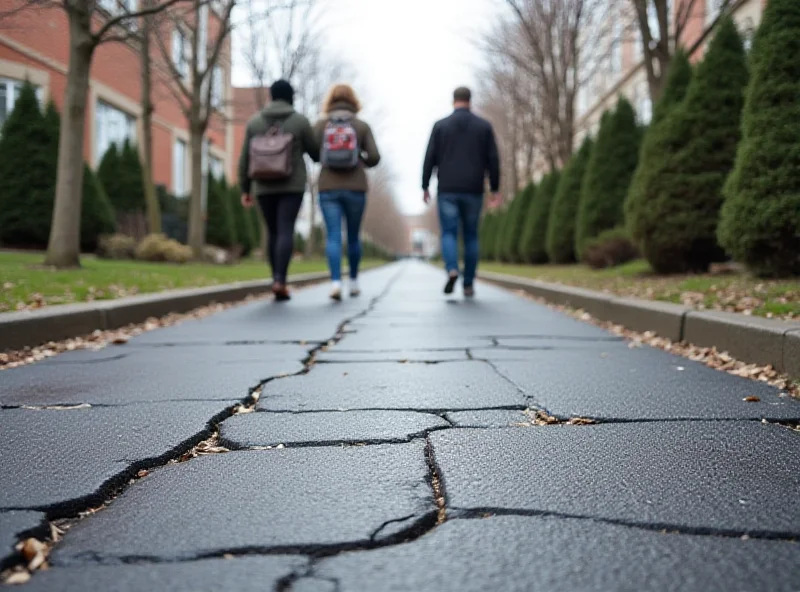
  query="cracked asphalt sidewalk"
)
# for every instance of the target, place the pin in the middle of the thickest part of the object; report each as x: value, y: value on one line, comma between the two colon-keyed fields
x: 401, y: 440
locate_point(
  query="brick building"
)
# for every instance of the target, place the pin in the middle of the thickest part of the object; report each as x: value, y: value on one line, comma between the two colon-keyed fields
x: 623, y: 73
x: 34, y: 45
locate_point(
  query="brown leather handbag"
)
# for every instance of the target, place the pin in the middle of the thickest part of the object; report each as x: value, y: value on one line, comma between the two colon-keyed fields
x: 271, y: 155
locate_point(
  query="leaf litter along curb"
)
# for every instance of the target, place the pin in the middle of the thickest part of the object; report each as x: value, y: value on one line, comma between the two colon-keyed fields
x: 709, y: 356
x: 98, y: 339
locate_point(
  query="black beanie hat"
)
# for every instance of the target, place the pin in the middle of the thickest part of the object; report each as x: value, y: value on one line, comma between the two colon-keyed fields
x: 281, y: 90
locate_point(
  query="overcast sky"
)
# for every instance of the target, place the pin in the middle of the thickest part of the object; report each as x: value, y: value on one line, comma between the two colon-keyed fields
x: 408, y: 55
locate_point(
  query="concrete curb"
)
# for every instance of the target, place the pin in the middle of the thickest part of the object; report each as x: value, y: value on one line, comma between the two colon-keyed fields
x: 751, y: 339
x: 31, y: 328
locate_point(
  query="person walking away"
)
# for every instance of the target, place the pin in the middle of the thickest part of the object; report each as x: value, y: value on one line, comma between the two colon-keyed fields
x: 462, y: 149
x: 347, y: 149
x: 272, y: 170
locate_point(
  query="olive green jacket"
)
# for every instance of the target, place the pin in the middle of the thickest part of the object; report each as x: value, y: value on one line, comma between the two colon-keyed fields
x: 305, y: 142
x: 354, y: 179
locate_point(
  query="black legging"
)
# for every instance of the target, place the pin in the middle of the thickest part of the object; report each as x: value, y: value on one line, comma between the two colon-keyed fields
x: 280, y: 213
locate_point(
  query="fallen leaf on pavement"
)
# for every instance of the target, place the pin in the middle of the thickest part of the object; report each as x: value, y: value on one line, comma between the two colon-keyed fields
x: 17, y: 576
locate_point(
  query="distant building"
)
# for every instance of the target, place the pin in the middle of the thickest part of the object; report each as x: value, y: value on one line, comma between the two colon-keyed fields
x: 623, y: 73
x: 34, y: 45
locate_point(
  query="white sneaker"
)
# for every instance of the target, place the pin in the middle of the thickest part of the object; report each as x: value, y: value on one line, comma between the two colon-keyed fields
x: 354, y: 289
x: 336, y: 290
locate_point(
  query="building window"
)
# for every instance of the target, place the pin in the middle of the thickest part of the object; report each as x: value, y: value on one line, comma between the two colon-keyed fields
x: 117, y: 7
x: 179, y: 165
x: 615, y: 57
x: 216, y: 167
x: 713, y: 8
x: 180, y: 53
x: 217, y: 87
x: 121, y: 7
x: 583, y: 100
x: 747, y: 29
x: 9, y: 93
x: 645, y: 110
x: 112, y: 126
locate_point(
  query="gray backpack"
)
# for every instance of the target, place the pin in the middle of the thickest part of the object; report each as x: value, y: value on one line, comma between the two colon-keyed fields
x: 340, y: 148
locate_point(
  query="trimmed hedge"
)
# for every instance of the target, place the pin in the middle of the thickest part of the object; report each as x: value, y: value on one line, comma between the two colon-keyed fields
x: 515, y: 224
x: 638, y: 218
x: 241, y: 221
x: 610, y: 249
x: 28, y: 164
x: 27, y: 174
x: 220, y: 225
x: 700, y: 137
x: 120, y: 172
x: 534, y: 239
x: 608, y: 175
x: 503, y: 219
x: 97, y: 214
x: 560, y: 242
x: 760, y: 219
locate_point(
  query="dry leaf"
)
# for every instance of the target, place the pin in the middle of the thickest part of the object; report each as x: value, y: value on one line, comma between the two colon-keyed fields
x: 19, y: 576
x: 580, y: 421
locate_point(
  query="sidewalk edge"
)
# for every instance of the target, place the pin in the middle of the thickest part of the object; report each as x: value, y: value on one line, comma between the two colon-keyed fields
x: 751, y: 339
x: 32, y: 328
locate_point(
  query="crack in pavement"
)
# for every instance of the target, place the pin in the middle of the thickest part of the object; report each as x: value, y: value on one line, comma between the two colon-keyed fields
x: 664, y: 527
x: 182, y: 452
x: 422, y: 434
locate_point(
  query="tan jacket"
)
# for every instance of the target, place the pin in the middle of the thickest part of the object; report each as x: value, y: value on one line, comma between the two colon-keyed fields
x: 355, y: 179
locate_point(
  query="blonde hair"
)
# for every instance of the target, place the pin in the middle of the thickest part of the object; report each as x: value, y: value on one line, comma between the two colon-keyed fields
x: 341, y: 92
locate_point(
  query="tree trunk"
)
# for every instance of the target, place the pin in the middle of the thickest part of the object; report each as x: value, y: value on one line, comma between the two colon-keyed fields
x: 63, y: 247
x: 150, y: 198
x: 197, y: 223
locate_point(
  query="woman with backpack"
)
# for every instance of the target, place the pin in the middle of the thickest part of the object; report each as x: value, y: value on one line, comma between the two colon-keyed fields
x: 347, y: 149
x: 272, y: 170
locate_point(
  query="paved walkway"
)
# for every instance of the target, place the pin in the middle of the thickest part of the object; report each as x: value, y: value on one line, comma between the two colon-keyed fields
x: 400, y: 456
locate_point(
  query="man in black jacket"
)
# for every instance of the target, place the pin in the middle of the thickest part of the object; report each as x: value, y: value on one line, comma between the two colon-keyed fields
x: 462, y: 148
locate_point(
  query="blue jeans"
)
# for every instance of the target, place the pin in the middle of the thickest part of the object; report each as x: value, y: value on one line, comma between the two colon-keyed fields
x: 464, y: 207
x: 350, y: 206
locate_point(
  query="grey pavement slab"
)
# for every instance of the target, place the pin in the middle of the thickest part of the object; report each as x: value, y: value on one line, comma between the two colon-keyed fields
x: 220, y: 372
x: 12, y: 526
x: 326, y: 428
x: 546, y: 554
x: 310, y: 316
x: 335, y: 355
x: 274, y: 500
x: 695, y: 477
x: 488, y: 418
x: 421, y: 387
x: 642, y: 383
x: 543, y: 348
x: 67, y: 459
x: 239, y: 574
x: 431, y: 338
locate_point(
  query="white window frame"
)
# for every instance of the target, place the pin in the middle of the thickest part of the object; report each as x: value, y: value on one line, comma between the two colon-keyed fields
x: 713, y: 8
x: 111, y: 126
x: 615, y: 55
x: 216, y: 166
x: 180, y: 162
x: 217, y: 87
x: 13, y: 87
x: 118, y: 7
x: 180, y: 52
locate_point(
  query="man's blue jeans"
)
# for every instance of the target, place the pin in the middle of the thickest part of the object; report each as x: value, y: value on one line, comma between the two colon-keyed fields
x: 349, y: 205
x: 466, y: 208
